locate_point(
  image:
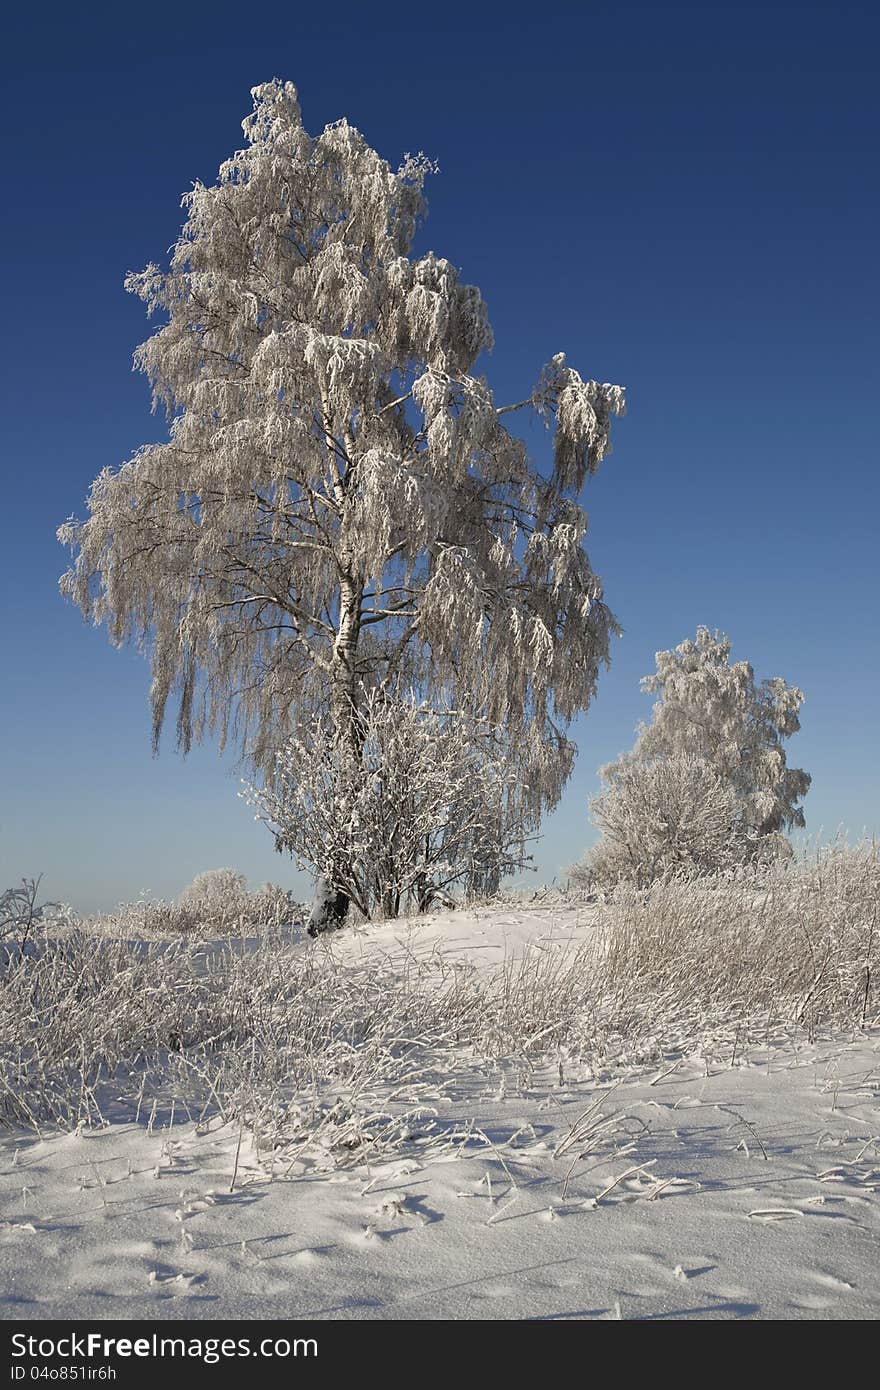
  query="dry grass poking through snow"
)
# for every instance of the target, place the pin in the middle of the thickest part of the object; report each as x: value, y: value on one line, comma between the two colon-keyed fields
x: 797, y: 943
x: 267, y: 910
x: 340, y: 1061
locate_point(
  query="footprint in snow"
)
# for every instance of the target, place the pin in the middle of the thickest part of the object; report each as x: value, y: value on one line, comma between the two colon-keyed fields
x: 175, y: 1284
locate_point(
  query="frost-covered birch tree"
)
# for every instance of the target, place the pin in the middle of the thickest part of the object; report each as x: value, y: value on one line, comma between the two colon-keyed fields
x: 706, y: 785
x: 339, y: 505
x: 714, y: 710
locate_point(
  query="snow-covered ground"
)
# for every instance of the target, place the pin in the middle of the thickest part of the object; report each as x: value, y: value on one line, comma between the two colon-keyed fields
x: 484, y: 937
x: 695, y: 1190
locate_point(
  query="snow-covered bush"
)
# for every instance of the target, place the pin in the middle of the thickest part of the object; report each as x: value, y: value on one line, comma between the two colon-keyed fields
x: 199, y: 915
x: 216, y: 885
x: 430, y: 805
x: 667, y: 816
x: 223, y: 894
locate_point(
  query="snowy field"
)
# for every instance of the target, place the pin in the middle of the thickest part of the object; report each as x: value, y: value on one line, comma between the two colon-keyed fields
x: 737, y: 1180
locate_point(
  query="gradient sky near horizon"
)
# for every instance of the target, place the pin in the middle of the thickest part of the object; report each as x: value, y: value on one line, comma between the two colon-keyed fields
x: 684, y: 199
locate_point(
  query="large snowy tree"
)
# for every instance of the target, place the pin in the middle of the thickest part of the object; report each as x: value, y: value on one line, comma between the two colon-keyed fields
x: 339, y: 506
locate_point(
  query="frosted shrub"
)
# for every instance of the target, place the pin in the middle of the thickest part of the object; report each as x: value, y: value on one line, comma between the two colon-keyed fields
x: 200, y: 916
x: 431, y: 804
x: 707, y: 785
x: 221, y: 897
x: 216, y: 886
x: 668, y: 816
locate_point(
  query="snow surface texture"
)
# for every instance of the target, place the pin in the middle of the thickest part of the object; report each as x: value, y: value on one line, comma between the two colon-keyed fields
x: 694, y: 1190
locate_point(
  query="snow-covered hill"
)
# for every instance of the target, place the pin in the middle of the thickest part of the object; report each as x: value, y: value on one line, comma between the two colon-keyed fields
x: 695, y: 1189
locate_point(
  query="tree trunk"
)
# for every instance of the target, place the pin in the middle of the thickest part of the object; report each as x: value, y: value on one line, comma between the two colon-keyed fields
x: 332, y: 900
x: 329, y: 908
x: 344, y: 668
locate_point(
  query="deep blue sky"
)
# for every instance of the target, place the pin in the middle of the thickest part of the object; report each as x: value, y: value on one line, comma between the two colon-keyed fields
x: 683, y: 199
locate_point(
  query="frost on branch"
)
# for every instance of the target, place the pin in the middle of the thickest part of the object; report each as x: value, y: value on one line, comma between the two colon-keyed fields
x: 583, y: 412
x: 20, y: 914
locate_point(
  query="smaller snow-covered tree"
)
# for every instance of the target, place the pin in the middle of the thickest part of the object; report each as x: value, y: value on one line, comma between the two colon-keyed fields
x: 714, y: 710
x: 434, y: 803
x: 707, y: 784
